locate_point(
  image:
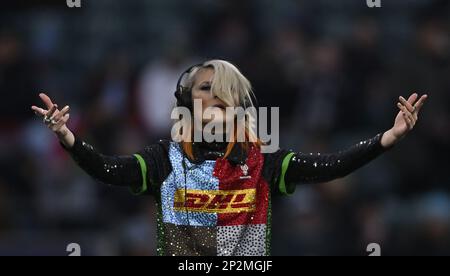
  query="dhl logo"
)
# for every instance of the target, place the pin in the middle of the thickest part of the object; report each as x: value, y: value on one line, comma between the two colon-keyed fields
x: 221, y: 202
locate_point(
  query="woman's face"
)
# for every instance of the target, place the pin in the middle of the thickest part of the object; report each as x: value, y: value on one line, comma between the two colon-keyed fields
x: 202, y: 91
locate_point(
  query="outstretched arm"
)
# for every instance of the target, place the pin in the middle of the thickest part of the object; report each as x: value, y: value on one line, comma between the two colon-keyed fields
x: 114, y: 170
x: 314, y: 168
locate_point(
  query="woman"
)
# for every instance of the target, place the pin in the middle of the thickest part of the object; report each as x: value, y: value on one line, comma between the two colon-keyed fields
x: 215, y: 198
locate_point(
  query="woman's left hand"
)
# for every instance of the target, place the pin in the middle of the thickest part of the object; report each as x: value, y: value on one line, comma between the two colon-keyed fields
x: 406, y: 119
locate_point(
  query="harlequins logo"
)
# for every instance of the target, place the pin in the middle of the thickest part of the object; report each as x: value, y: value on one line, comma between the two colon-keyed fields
x: 220, y: 202
x: 245, y: 175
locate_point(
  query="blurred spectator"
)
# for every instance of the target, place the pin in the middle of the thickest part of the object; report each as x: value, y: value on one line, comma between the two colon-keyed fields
x: 16, y: 80
x: 155, y: 96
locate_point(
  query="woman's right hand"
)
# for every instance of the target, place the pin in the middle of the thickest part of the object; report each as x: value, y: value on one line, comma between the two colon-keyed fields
x: 56, y: 120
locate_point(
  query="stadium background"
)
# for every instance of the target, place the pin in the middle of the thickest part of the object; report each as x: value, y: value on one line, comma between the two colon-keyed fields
x: 335, y: 68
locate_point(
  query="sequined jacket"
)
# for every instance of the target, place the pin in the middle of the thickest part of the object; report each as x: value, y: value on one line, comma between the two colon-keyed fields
x: 216, y: 206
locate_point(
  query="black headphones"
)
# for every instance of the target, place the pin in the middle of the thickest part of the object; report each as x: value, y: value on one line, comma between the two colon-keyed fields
x: 183, y: 93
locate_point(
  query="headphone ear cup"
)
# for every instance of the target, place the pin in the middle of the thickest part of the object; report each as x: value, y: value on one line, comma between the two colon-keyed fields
x: 187, y: 99
x: 184, y: 98
x: 183, y: 95
x: 177, y: 95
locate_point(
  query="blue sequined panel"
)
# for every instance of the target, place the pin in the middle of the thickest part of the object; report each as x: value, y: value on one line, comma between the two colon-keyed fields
x: 198, y: 177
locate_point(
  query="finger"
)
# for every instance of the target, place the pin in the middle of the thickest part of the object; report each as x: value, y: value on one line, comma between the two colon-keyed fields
x: 62, y: 122
x: 403, y: 108
x: 406, y: 103
x: 39, y: 111
x: 46, y: 99
x: 420, y: 103
x: 61, y: 113
x: 413, y: 98
x: 410, y: 120
x: 51, y: 112
x: 54, y: 114
x: 406, y: 114
x: 407, y: 120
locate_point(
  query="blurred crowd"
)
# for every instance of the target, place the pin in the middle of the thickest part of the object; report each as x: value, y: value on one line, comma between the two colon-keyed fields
x: 335, y: 69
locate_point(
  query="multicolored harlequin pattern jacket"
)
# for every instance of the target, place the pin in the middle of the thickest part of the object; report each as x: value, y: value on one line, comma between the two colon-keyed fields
x: 212, y: 205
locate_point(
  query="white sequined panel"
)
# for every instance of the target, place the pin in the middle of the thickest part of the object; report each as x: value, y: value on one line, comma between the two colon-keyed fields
x: 241, y: 240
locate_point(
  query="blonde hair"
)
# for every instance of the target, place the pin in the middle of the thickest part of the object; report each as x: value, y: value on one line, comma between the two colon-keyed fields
x: 235, y: 90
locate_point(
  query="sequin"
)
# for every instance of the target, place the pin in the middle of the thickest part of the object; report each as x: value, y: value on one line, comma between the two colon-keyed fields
x: 221, y: 200
x: 197, y: 178
x: 212, y: 207
x: 241, y: 240
x: 313, y: 168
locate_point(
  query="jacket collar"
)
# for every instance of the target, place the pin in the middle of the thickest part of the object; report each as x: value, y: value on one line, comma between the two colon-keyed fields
x: 212, y: 151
